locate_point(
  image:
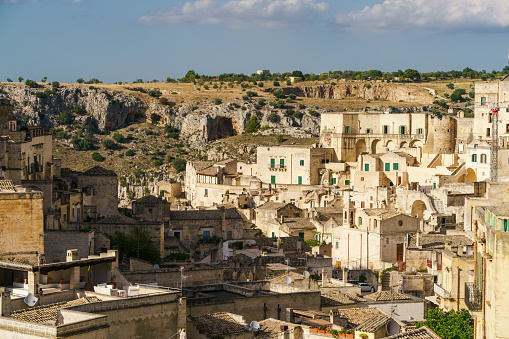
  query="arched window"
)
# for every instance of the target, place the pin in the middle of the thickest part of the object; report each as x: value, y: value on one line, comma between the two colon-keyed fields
x: 360, y: 221
x: 483, y: 158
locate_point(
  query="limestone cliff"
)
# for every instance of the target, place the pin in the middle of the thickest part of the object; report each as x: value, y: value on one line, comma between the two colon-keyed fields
x: 371, y: 91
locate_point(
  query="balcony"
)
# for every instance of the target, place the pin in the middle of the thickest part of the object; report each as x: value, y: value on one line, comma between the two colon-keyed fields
x: 277, y: 167
x: 473, y: 297
x: 440, y: 291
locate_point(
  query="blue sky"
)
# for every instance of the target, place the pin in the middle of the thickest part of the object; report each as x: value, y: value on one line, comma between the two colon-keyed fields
x: 123, y: 40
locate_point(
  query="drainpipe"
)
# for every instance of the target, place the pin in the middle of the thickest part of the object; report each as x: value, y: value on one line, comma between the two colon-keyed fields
x: 484, y: 297
x: 458, y: 292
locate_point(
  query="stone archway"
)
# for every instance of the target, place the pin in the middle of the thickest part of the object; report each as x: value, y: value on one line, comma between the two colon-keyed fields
x: 376, y: 147
x: 404, y: 144
x: 360, y: 147
x: 416, y: 143
x: 390, y: 145
x: 418, y: 208
x: 470, y: 176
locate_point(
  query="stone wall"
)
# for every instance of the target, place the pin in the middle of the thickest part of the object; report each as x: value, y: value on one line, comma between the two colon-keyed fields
x: 21, y: 224
x: 56, y: 244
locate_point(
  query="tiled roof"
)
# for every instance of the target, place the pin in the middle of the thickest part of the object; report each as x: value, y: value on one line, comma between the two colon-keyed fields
x: 339, y: 299
x: 386, y: 296
x: 381, y: 212
x: 272, y: 205
x: 356, y: 316
x: 230, y: 213
x: 211, y: 170
x: 7, y: 185
x: 420, y: 333
x: 281, y: 278
x: 148, y: 199
x: 438, y: 241
x: 47, y: 314
x: 98, y: 170
x: 117, y: 220
x: 299, y: 224
x: 269, y: 328
x: 373, y: 324
x: 220, y: 323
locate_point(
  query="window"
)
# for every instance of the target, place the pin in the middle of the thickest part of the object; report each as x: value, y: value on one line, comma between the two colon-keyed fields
x: 395, y: 166
x: 360, y: 221
x: 434, y: 185
x: 334, y: 180
x: 347, y: 129
x: 474, y: 157
x: 337, y: 244
x: 272, y: 163
x: 488, y: 132
x: 505, y: 226
x: 369, y: 131
x: 385, y: 129
x: 347, y: 182
x: 402, y: 129
x: 273, y: 235
x: 206, y: 192
x: 483, y: 101
x: 176, y: 235
x: 272, y: 179
x: 65, y: 217
x: 206, y: 235
x: 387, y: 167
x: 150, y: 211
x: 229, y: 235
x: 483, y: 158
x: 299, y: 180
x: 376, y: 222
x: 420, y: 131
x: 362, y: 204
x: 302, y: 162
x: 507, y: 128
x: 366, y: 167
x: 489, y: 216
x: 301, y: 235
x: 281, y: 163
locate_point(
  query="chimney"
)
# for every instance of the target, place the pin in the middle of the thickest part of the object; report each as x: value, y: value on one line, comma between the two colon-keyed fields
x: 282, y: 219
x: 324, y: 277
x: 448, y: 246
x: 5, y: 304
x: 72, y: 255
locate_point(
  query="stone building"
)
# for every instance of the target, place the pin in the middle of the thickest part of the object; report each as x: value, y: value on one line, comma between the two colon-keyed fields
x: 374, y: 240
x: 353, y: 133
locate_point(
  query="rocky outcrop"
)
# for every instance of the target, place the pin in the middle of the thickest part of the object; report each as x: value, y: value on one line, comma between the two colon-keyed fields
x: 111, y: 109
x: 367, y: 91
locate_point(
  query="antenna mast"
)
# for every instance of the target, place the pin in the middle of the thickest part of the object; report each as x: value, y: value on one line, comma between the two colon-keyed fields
x: 494, y: 141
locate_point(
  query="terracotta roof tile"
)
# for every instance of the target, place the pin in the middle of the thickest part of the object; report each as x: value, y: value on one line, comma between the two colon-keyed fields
x: 339, y: 299
x: 373, y: 324
x: 230, y: 213
x: 382, y: 212
x: 438, y: 241
x: 148, y: 199
x: 386, y: 296
x: 118, y: 220
x: 356, y: 316
x: 47, y: 314
x: 98, y: 170
x: 220, y: 323
x: 420, y: 333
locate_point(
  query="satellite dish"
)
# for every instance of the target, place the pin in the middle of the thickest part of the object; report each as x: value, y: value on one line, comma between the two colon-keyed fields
x: 31, y: 300
x: 470, y: 252
x: 156, y: 266
x: 305, y: 274
x: 254, y: 326
x: 288, y: 280
x: 392, y: 327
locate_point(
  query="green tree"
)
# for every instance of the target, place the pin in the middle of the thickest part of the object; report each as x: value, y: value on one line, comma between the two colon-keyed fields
x: 279, y: 93
x: 179, y: 164
x: 129, y: 153
x: 136, y: 244
x: 20, y: 79
x: 276, y: 83
x: 449, y: 325
x: 218, y: 101
x: 9, y: 80
x: 273, y: 117
x: 108, y: 143
x: 97, y: 157
x: 412, y: 74
x: 298, y: 74
x: 252, y: 124
x: 44, y: 79
x: 450, y: 86
x: 65, y: 118
x: 31, y: 83
x: 118, y: 137
x: 280, y: 138
x: 80, y: 81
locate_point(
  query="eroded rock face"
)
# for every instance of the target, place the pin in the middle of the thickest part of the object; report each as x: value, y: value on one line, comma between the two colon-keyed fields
x: 372, y: 91
x: 111, y: 109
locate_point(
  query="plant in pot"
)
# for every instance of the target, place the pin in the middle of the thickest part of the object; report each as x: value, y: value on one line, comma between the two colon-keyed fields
x: 89, y: 286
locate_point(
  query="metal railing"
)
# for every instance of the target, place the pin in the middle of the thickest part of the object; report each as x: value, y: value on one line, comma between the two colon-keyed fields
x: 473, y: 297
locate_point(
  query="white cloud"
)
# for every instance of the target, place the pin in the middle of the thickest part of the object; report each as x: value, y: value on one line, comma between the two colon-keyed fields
x: 400, y: 15
x: 241, y: 13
